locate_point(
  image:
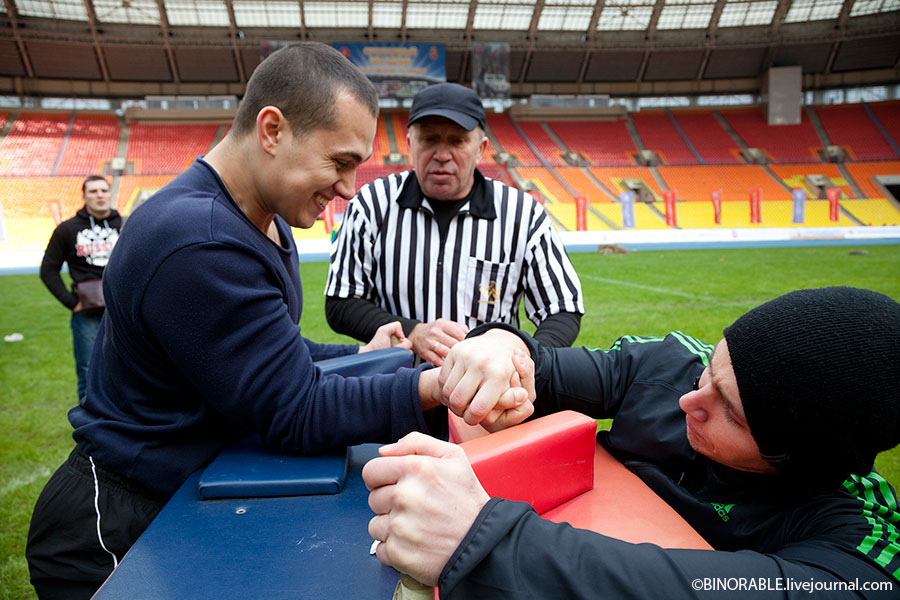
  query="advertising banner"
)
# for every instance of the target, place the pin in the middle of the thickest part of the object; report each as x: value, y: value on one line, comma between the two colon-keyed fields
x: 799, y: 197
x: 670, y: 197
x: 834, y: 199
x: 398, y: 70
x: 581, y: 213
x: 627, y: 200
x: 490, y: 69
x: 716, y: 196
x: 756, y: 205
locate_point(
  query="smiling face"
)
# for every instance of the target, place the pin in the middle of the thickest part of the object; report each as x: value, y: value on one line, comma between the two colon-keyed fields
x: 309, y: 169
x: 444, y: 156
x: 97, y: 198
x: 716, y: 425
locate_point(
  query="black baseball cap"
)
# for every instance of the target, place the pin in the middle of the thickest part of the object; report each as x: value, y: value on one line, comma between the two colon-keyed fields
x: 451, y: 101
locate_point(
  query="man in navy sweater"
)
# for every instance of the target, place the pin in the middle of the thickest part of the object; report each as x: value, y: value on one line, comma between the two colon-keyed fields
x: 200, y: 344
x: 764, y: 444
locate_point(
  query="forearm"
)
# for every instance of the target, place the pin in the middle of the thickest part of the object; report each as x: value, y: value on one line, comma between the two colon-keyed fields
x: 360, y: 318
x: 52, y: 279
x: 559, y: 330
x: 511, y: 552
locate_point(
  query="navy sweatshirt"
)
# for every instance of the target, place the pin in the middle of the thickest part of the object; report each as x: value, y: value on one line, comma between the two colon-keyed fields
x: 772, y: 538
x: 200, y: 346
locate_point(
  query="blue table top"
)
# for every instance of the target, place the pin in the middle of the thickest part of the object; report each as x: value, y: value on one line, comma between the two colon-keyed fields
x: 290, y: 547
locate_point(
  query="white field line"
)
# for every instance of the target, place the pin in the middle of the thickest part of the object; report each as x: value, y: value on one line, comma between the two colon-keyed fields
x: 649, y: 288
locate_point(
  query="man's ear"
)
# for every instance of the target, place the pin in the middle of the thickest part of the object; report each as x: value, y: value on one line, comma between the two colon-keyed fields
x: 271, y: 128
x: 483, y: 146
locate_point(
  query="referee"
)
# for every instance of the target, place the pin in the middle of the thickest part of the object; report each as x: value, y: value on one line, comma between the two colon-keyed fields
x: 443, y: 249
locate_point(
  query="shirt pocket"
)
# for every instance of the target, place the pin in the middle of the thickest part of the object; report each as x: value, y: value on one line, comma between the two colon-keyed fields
x: 489, y: 291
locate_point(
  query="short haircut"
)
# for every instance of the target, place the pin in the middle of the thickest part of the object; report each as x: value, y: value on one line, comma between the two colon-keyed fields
x: 90, y: 178
x: 303, y: 80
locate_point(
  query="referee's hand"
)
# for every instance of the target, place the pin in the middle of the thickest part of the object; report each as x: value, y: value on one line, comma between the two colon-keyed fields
x: 489, y: 380
x: 386, y: 336
x: 432, y: 341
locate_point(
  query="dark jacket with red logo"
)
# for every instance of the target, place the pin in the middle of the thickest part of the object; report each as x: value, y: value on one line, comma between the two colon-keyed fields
x: 773, y: 538
x: 83, y: 242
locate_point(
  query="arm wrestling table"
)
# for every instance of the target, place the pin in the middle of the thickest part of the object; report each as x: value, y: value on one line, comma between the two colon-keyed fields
x: 315, y: 543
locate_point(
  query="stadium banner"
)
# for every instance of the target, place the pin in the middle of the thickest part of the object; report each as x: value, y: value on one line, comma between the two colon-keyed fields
x: 834, y: 198
x: 756, y: 205
x: 581, y: 213
x: 398, y: 70
x: 627, y: 200
x: 799, y: 197
x: 490, y: 69
x: 670, y: 197
x: 716, y: 196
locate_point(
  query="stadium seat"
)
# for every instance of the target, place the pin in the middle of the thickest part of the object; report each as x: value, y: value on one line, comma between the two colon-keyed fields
x: 603, y: 143
x: 850, y: 127
x: 708, y: 137
x: 782, y: 143
x: 658, y: 133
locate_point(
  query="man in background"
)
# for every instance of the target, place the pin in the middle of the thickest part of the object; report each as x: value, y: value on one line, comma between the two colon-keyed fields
x: 443, y: 249
x: 84, y: 242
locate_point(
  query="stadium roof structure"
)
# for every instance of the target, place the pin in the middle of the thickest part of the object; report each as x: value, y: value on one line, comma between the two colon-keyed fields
x: 131, y: 48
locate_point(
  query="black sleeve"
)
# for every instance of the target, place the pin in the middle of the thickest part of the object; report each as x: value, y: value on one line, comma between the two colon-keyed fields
x: 592, y: 382
x: 559, y: 330
x: 54, y: 257
x: 510, y: 552
x: 360, y: 318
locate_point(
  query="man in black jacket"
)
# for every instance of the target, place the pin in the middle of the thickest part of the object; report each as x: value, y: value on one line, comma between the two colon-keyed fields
x: 84, y: 242
x: 764, y: 444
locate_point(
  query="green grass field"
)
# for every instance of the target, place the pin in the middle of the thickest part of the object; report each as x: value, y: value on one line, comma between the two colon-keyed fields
x: 644, y: 293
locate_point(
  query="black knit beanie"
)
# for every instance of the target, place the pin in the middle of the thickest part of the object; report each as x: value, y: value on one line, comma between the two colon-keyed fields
x: 818, y: 373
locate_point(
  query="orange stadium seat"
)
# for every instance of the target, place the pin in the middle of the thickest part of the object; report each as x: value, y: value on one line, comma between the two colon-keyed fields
x: 888, y: 115
x: 792, y: 176
x: 694, y: 184
x: 783, y: 143
x: 658, y: 133
x: 29, y: 206
x: 584, y: 185
x: 32, y: 146
x: 850, y: 127
x: 90, y: 144
x: 709, y: 139
x: 601, y: 142
x: 542, y: 142
x: 864, y: 175
x: 549, y: 186
x: 381, y: 146
x: 612, y: 178
x: 134, y: 189
x: 167, y: 149
x: 508, y: 136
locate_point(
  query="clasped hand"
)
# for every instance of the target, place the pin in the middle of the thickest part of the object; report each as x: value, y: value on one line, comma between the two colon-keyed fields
x: 489, y: 380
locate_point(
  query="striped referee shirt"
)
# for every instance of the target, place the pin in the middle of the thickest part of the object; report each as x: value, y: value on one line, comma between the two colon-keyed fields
x: 500, y: 247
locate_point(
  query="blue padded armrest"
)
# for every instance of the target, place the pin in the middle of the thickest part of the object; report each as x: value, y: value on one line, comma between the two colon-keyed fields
x: 367, y: 363
x: 247, y: 469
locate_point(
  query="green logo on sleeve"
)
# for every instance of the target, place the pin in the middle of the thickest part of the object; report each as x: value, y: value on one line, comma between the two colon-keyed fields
x: 722, y: 510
